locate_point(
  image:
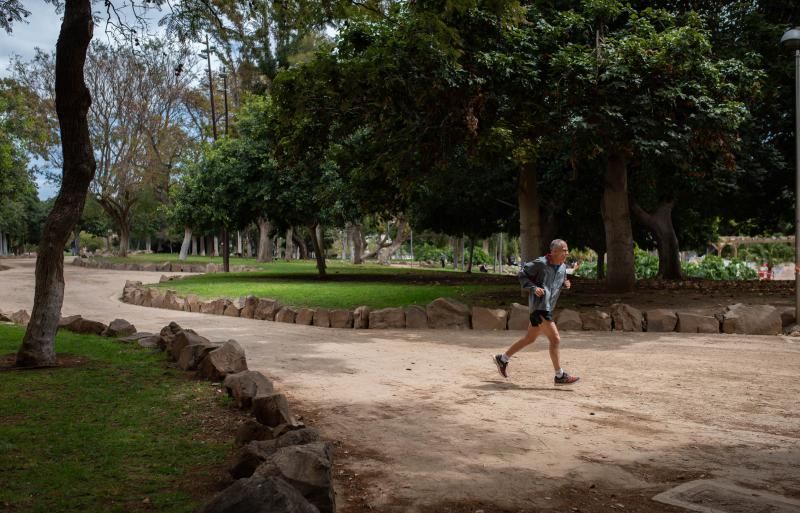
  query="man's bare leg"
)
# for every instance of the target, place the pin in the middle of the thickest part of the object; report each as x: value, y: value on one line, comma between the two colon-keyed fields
x: 550, y: 330
x: 529, y: 338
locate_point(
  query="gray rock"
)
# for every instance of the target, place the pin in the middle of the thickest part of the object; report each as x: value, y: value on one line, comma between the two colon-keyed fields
x: 119, y: 328
x: 193, y: 354
x: 661, y: 320
x: 191, y: 303
x: 172, y: 301
x: 387, y: 318
x: 245, y: 386
x: 249, y: 306
x: 266, y: 309
x: 568, y: 320
x: 252, y: 431
x: 694, y: 323
x: 134, y: 337
x: 626, y: 317
x: 20, y: 317
x: 227, y: 359
x: 446, y: 313
x: 518, y: 317
x: 167, y: 335
x: 259, y: 494
x: 308, y: 468
x: 305, y: 316
x: 416, y: 317
x: 361, y: 317
x: 322, y: 318
x: 252, y: 455
x: 596, y: 320
x: 231, y: 310
x: 489, y: 318
x: 85, y: 326
x: 788, y: 316
x: 272, y: 410
x: 286, y: 314
x: 182, y: 339
x: 752, y: 320
x: 341, y: 319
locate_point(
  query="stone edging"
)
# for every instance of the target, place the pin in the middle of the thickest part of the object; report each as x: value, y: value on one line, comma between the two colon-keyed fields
x: 167, y: 267
x: 280, y: 460
x: 445, y: 313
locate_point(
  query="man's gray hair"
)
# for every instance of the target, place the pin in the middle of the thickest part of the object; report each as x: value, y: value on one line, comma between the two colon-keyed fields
x: 557, y: 243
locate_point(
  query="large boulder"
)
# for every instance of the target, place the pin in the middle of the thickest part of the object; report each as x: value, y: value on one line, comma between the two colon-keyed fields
x: 227, y: 359
x: 596, y: 320
x: 752, y: 320
x: 626, y: 317
x: 489, y: 318
x: 128, y: 290
x: 245, y: 386
x: 249, y: 305
x: 191, y: 303
x: 143, y: 339
x: 416, y: 317
x: 259, y: 494
x: 341, y: 319
x: 361, y: 317
x: 788, y: 316
x: 446, y: 313
x: 661, y: 320
x: 193, y: 354
x: 695, y: 323
x: 387, y: 318
x: 232, y: 311
x: 286, y: 314
x: 252, y: 455
x: 251, y: 431
x: 266, y: 309
x: 167, y: 335
x: 183, y: 339
x: 308, y: 468
x: 156, y: 298
x: 172, y: 301
x: 519, y: 318
x: 119, y: 328
x: 322, y: 318
x: 220, y: 305
x: 272, y: 410
x: 568, y: 320
x: 20, y: 317
x: 304, y: 316
x: 137, y: 297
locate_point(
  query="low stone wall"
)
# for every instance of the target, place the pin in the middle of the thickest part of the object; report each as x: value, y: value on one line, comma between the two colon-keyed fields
x: 166, y: 267
x: 445, y: 313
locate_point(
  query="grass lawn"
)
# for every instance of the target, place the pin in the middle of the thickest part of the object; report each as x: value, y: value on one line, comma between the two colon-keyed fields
x: 348, y: 286
x: 112, y: 430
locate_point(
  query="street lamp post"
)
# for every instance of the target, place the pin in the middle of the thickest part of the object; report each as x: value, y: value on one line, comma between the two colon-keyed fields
x: 207, y: 55
x: 224, y: 76
x: 791, y: 40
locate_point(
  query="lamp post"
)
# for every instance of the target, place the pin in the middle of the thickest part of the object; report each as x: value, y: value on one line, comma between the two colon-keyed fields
x: 791, y: 40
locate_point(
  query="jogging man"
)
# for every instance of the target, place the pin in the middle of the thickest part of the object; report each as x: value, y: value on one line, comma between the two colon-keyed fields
x: 544, y: 278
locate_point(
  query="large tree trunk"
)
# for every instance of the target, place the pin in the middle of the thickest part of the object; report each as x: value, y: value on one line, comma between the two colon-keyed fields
x: 617, y: 220
x: 124, y: 239
x: 385, y: 254
x: 358, y: 242
x: 289, y: 255
x: 660, y: 224
x: 72, y: 104
x: 148, y: 244
x: 530, y: 224
x: 187, y: 241
x: 194, y: 245
x: 601, y: 265
x: 264, y: 241
x: 226, y: 251
x: 471, y: 254
x: 302, y: 248
x: 316, y: 239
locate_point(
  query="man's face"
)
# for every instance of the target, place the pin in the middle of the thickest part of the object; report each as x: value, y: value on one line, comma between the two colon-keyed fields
x: 558, y: 255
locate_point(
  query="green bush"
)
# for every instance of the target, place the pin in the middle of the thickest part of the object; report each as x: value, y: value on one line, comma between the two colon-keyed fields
x: 713, y: 267
x: 91, y: 242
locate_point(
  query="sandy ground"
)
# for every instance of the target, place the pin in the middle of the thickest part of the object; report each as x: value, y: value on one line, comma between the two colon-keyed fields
x: 423, y: 422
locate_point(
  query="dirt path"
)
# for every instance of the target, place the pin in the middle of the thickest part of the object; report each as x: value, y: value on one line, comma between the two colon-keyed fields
x: 424, y: 423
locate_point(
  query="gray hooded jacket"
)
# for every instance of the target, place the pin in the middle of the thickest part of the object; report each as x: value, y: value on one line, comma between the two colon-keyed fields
x: 539, y: 273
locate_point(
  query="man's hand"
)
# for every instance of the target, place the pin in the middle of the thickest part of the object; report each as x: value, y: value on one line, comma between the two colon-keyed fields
x: 567, y: 284
x: 538, y: 291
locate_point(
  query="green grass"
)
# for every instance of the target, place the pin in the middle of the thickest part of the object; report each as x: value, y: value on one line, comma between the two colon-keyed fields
x: 106, y: 436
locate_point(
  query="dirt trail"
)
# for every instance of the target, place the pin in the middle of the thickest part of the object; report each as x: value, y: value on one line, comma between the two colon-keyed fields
x: 424, y: 423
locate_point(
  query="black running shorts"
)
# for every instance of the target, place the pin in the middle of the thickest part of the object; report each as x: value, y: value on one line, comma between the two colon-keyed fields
x: 538, y: 315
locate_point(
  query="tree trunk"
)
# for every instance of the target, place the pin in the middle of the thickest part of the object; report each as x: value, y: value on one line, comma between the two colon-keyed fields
x: 148, y: 244
x: 302, y: 249
x: 187, y: 240
x: 264, y: 241
x: 194, y: 245
x: 316, y: 239
x: 471, y: 254
x: 72, y: 104
x: 202, y: 243
x: 617, y: 222
x: 216, y: 246
x: 530, y: 224
x: 290, y: 244
x: 124, y: 239
x: 76, y: 242
x: 601, y: 265
x: 358, y: 243
x: 226, y: 252
x: 385, y: 255
x: 239, y: 244
x: 660, y: 224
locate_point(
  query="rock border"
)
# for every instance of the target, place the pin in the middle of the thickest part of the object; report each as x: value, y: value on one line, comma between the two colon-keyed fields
x: 165, y: 267
x: 446, y: 313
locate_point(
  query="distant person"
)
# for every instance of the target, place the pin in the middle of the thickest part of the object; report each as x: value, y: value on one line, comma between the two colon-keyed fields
x: 544, y: 278
x: 443, y: 260
x: 483, y: 268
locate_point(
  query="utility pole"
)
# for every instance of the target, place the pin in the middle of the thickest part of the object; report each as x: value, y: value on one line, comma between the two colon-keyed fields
x: 224, y: 76
x: 211, y: 91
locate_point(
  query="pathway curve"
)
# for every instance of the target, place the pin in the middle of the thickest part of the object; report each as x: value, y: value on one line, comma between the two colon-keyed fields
x: 432, y: 423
